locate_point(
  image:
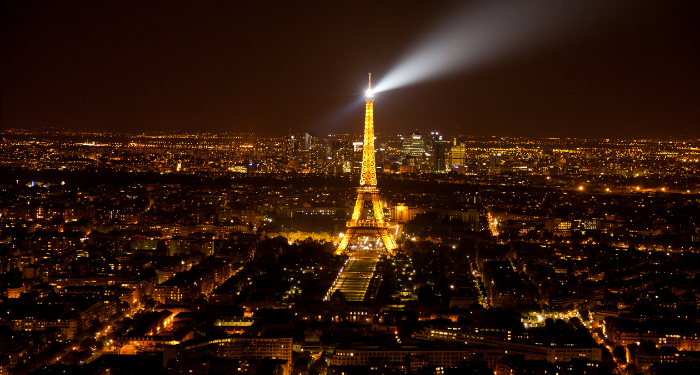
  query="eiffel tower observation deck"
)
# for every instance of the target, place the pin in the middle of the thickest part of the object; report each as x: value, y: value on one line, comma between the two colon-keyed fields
x: 362, y: 224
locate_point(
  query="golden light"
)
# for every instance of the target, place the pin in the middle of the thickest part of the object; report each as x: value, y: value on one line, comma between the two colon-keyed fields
x: 368, y: 188
x: 580, y: 187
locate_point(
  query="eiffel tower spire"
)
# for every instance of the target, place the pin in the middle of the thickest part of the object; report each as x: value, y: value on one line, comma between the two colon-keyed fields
x: 369, y: 170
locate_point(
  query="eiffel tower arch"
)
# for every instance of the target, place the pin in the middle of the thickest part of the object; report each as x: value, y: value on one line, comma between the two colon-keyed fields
x: 360, y: 224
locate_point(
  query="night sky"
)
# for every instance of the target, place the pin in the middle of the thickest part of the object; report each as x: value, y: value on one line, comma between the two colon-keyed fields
x: 628, y: 69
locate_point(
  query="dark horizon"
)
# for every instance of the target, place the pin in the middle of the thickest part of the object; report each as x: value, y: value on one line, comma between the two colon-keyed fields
x: 629, y: 71
x: 19, y: 134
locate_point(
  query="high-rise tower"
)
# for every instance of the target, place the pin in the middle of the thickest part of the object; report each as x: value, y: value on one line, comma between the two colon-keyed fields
x: 368, y: 191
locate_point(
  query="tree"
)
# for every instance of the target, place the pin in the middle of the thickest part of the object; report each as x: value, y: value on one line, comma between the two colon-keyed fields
x: 576, y: 322
x: 88, y: 343
x: 585, y: 315
x: 549, y: 323
x: 620, y: 354
x: 632, y: 369
x: 427, y: 296
x: 95, y: 326
x: 320, y: 366
x: 301, y: 363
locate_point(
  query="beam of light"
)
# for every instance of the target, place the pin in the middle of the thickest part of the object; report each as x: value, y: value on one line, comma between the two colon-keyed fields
x: 333, y: 121
x: 486, y: 31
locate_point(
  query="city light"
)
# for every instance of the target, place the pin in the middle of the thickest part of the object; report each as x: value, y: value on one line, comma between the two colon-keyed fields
x: 179, y: 201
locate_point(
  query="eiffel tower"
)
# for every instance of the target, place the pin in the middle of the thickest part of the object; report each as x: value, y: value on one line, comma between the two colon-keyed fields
x: 368, y: 191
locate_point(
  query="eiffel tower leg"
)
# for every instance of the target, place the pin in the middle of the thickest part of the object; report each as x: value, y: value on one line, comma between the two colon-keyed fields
x: 359, y: 204
x: 388, y: 241
x: 377, y: 208
x: 350, y: 233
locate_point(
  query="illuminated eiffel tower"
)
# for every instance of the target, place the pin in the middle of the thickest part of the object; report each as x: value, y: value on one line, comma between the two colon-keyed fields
x: 368, y: 191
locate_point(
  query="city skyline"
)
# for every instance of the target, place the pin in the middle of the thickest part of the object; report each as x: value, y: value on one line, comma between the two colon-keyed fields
x: 626, y: 71
x: 554, y: 255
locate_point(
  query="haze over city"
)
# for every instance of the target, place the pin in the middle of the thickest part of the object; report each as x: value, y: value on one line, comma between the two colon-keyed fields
x: 620, y: 69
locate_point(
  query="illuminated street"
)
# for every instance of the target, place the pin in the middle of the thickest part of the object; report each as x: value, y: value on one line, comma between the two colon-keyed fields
x: 354, y: 279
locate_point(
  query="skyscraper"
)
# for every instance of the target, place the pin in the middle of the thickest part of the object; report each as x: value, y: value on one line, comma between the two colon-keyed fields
x: 413, y: 144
